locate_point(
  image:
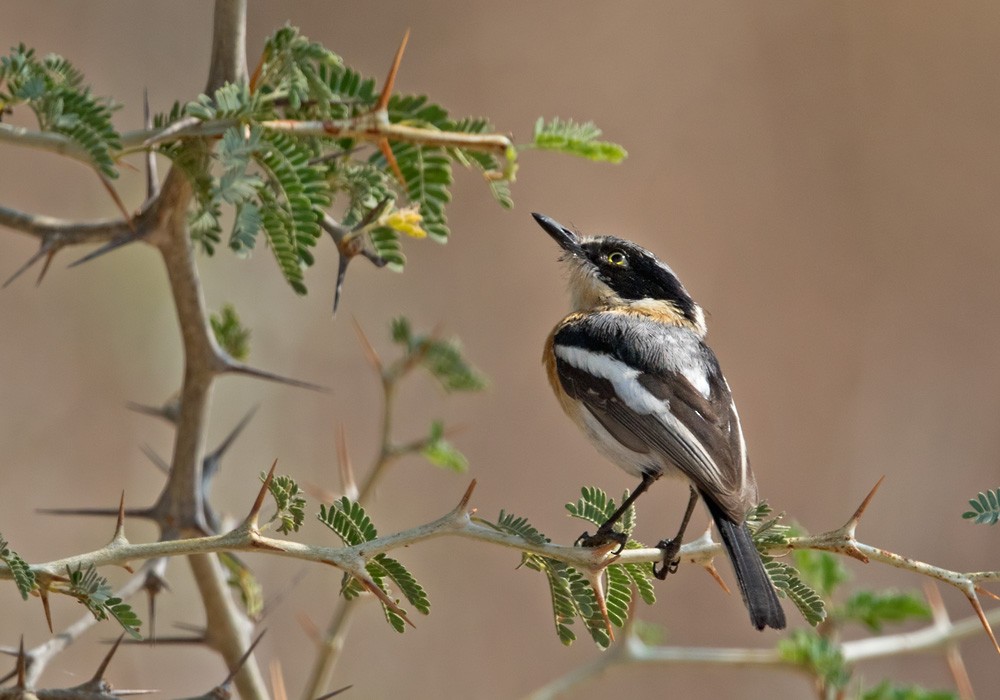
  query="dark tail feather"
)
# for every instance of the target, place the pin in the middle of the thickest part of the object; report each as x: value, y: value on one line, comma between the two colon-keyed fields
x: 758, y: 594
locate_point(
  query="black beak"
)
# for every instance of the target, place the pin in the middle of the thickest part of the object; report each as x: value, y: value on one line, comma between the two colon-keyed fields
x: 567, y: 240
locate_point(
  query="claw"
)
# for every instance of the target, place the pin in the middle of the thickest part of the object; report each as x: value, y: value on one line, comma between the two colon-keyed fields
x: 602, y: 538
x: 671, y: 560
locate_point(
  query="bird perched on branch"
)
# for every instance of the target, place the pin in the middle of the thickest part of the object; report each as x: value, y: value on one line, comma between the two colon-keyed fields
x: 631, y: 368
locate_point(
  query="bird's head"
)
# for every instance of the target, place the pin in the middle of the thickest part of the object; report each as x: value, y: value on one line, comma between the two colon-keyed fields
x: 606, y: 272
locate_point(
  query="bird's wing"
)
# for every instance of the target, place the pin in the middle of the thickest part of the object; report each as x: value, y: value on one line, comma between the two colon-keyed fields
x: 660, y: 390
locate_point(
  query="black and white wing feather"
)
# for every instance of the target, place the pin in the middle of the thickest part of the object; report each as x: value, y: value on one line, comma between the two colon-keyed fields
x: 659, y: 391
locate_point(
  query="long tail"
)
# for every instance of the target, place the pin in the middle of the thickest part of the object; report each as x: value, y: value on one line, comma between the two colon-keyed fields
x: 758, y: 593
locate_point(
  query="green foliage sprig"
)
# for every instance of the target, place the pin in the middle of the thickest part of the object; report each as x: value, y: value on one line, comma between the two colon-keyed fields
x: 573, y: 595
x: 305, y: 142
x: 574, y: 138
x: 230, y: 333
x: 287, y: 495
x: 53, y: 89
x: 94, y: 592
x: 768, y: 531
x: 985, y: 508
x: 24, y: 577
x: 442, y: 358
x: 348, y: 520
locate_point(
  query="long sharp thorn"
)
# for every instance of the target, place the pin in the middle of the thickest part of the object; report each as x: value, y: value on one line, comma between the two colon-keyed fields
x: 100, y: 512
x: 239, y: 368
x: 44, y: 249
x: 336, y: 692
x: 991, y: 594
x: 347, y: 480
x: 120, y: 524
x: 714, y: 573
x: 107, y: 660
x: 974, y: 602
x: 106, y: 181
x: 44, y: 595
x: 22, y: 664
x: 373, y: 214
x: 261, y: 495
x: 277, y: 680
x: 309, y: 627
x: 156, y: 459
x: 243, y: 660
x: 106, y: 248
x: 852, y: 523
x: 366, y: 346
x: 343, y: 261
x: 234, y: 433
x: 385, y: 599
x: 602, y: 602
x: 45, y: 266
x: 390, y: 158
x: 390, y: 81
x: 464, y: 503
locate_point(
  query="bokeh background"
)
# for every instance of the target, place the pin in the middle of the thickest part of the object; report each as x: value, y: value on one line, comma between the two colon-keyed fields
x: 822, y: 175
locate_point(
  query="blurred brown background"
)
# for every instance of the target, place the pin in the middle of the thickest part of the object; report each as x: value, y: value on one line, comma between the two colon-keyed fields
x: 823, y: 176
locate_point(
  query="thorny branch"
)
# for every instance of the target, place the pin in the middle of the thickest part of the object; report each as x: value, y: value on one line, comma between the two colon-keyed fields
x: 459, y: 522
x: 633, y: 651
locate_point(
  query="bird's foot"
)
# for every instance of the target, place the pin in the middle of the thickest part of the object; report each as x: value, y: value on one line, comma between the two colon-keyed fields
x: 671, y: 559
x: 602, y: 538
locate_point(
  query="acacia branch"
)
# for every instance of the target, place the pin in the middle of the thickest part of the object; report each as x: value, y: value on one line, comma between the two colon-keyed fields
x: 633, y: 651
x: 458, y: 522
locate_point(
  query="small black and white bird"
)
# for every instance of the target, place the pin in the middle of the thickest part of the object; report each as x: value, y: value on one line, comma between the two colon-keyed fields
x: 631, y: 368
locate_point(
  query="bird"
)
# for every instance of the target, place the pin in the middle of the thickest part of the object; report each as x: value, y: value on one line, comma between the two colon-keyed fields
x: 631, y: 368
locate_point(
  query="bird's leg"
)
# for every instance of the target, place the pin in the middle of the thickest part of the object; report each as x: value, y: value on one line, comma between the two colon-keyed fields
x: 606, y: 533
x: 672, y: 547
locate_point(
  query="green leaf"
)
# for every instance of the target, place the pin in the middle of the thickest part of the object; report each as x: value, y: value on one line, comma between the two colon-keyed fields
x: 618, y: 595
x: 427, y: 174
x: 442, y: 453
x: 365, y: 185
x: 385, y: 242
x: 786, y: 579
x: 230, y: 333
x: 887, y: 691
x: 573, y: 138
x: 572, y: 595
x: 53, y: 89
x: 94, y: 592
x: 353, y: 93
x: 595, y: 507
x: 442, y: 358
x: 641, y: 576
x: 242, y: 578
x: 231, y: 101
x: 292, y: 203
x: 122, y: 612
x: 985, y: 508
x: 518, y: 526
x: 817, y: 655
x: 292, y: 67
x: 24, y: 577
x: 351, y: 587
x: 246, y: 225
x: 874, y: 608
x: 384, y: 567
x: 349, y: 521
x: 290, y: 502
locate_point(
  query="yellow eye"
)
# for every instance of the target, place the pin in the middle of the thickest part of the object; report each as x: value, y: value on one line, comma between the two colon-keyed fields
x: 617, y: 258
